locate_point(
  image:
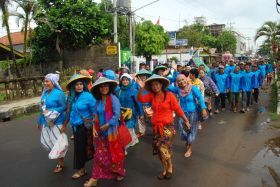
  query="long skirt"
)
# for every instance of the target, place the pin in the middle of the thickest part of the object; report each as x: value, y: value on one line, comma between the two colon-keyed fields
x: 162, y: 144
x: 80, y: 143
x: 49, y: 136
x: 189, y: 136
x: 133, y: 137
x: 103, y: 168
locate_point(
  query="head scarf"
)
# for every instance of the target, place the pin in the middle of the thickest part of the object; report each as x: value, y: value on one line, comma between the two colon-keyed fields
x: 126, y: 75
x: 54, y: 78
x: 184, y: 91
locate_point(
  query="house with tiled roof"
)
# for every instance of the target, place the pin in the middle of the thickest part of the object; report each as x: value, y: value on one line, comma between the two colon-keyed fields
x: 17, y: 40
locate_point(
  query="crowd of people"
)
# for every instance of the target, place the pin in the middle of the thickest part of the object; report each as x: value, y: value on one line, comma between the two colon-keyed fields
x: 95, y: 109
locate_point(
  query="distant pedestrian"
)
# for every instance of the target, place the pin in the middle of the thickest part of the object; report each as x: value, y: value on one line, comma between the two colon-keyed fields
x: 52, y: 115
x: 235, y: 88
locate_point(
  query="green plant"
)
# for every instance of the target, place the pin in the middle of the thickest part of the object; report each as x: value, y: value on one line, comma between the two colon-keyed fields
x: 274, y: 100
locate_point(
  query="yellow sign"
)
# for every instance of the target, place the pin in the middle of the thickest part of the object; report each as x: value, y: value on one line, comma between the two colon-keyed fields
x: 112, y: 50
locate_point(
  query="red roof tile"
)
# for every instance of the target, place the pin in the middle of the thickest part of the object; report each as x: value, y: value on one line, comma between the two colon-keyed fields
x: 17, y: 38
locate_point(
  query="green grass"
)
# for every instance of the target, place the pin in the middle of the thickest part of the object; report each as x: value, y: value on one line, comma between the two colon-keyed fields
x: 2, y: 97
x: 273, y: 100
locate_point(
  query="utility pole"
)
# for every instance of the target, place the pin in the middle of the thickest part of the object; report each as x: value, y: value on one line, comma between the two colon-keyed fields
x: 230, y: 26
x: 115, y: 21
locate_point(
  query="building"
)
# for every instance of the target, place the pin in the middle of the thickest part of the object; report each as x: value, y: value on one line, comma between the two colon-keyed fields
x: 200, y: 20
x: 216, y: 29
x: 240, y: 45
x: 17, y: 40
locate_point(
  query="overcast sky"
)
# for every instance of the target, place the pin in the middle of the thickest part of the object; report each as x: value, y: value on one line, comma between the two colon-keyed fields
x: 244, y: 16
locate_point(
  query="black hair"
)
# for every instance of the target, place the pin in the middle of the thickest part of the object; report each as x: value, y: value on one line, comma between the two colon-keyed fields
x: 97, y: 95
x: 185, y: 72
x: 195, y: 72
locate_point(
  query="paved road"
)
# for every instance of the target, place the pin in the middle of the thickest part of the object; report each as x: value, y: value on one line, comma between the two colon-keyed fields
x: 222, y: 152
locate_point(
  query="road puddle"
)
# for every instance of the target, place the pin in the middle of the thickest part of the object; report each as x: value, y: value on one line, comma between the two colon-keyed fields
x: 264, y: 169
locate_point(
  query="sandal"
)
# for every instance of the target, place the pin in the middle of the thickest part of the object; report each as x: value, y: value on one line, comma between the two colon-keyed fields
x: 78, y: 175
x: 139, y: 135
x: 58, y: 168
x: 119, y: 178
x: 90, y: 183
x: 161, y: 176
x: 168, y: 175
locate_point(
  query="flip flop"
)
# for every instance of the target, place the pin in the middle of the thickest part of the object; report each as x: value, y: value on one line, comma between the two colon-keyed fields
x: 58, y: 168
x: 78, y: 175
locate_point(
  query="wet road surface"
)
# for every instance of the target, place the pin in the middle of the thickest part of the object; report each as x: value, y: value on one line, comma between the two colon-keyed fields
x: 227, y: 152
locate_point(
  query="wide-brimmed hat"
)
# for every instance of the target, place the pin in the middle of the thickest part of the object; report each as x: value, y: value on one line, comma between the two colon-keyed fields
x: 165, y: 82
x: 102, y: 80
x: 126, y: 75
x: 158, y: 68
x: 143, y: 72
x: 76, y: 77
x: 221, y: 67
x: 125, y: 67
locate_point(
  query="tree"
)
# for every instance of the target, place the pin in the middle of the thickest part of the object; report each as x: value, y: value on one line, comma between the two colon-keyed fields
x: 270, y: 30
x: 29, y: 10
x: 209, y: 41
x: 5, y: 20
x: 68, y: 24
x: 194, y: 33
x: 227, y: 41
x: 150, y: 39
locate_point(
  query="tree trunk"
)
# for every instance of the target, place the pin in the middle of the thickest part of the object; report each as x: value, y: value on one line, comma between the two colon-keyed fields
x: 18, y: 74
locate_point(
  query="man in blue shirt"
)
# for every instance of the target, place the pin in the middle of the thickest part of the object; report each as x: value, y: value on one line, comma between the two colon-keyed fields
x: 247, y: 87
x: 222, y: 82
x: 257, y: 82
x: 235, y: 87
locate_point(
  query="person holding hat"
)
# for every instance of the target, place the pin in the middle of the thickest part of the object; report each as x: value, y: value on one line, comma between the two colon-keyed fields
x: 81, y: 108
x: 108, y: 160
x: 52, y: 115
x: 222, y: 81
x: 163, y: 105
x: 127, y: 96
x: 143, y: 75
x: 188, y: 95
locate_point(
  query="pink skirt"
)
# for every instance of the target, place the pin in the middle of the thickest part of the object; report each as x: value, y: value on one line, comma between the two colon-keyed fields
x: 103, y: 168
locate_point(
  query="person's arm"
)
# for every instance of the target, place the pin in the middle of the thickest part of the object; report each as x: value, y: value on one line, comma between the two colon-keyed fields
x: 173, y: 89
x: 116, y: 111
x: 198, y: 95
x: 61, y: 103
x: 147, y: 98
x: 214, y: 87
x: 178, y: 110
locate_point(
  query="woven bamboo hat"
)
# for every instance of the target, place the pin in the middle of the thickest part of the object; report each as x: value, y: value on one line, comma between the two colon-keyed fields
x: 144, y: 72
x: 165, y: 82
x: 76, y: 77
x: 158, y: 68
x: 102, y: 80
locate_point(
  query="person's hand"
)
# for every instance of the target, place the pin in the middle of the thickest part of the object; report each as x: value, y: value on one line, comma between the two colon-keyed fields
x: 95, y: 134
x: 104, y: 127
x: 45, y: 112
x: 166, y: 72
x: 63, y: 129
x: 204, y: 113
x: 39, y: 127
x: 253, y: 91
x: 140, y: 82
x: 174, y: 66
x: 217, y: 94
x: 187, y: 123
x: 227, y: 90
x: 133, y: 76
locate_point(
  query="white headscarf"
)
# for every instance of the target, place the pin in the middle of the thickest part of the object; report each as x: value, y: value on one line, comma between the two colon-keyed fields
x: 54, y: 78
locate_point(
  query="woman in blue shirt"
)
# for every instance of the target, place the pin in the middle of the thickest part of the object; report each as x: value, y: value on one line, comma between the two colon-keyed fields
x: 127, y: 96
x: 188, y: 96
x: 52, y: 115
x: 108, y: 160
x: 82, y: 109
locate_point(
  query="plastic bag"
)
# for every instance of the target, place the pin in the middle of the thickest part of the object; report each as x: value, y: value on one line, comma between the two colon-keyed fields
x: 60, y: 147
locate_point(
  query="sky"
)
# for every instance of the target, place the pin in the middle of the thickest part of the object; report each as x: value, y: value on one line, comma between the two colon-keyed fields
x: 244, y: 16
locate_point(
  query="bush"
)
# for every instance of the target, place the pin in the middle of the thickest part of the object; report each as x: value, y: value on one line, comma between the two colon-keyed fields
x: 274, y: 100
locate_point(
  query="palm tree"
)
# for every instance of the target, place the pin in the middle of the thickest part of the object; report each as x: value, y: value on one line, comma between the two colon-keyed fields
x: 270, y: 30
x: 29, y: 10
x: 5, y: 19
